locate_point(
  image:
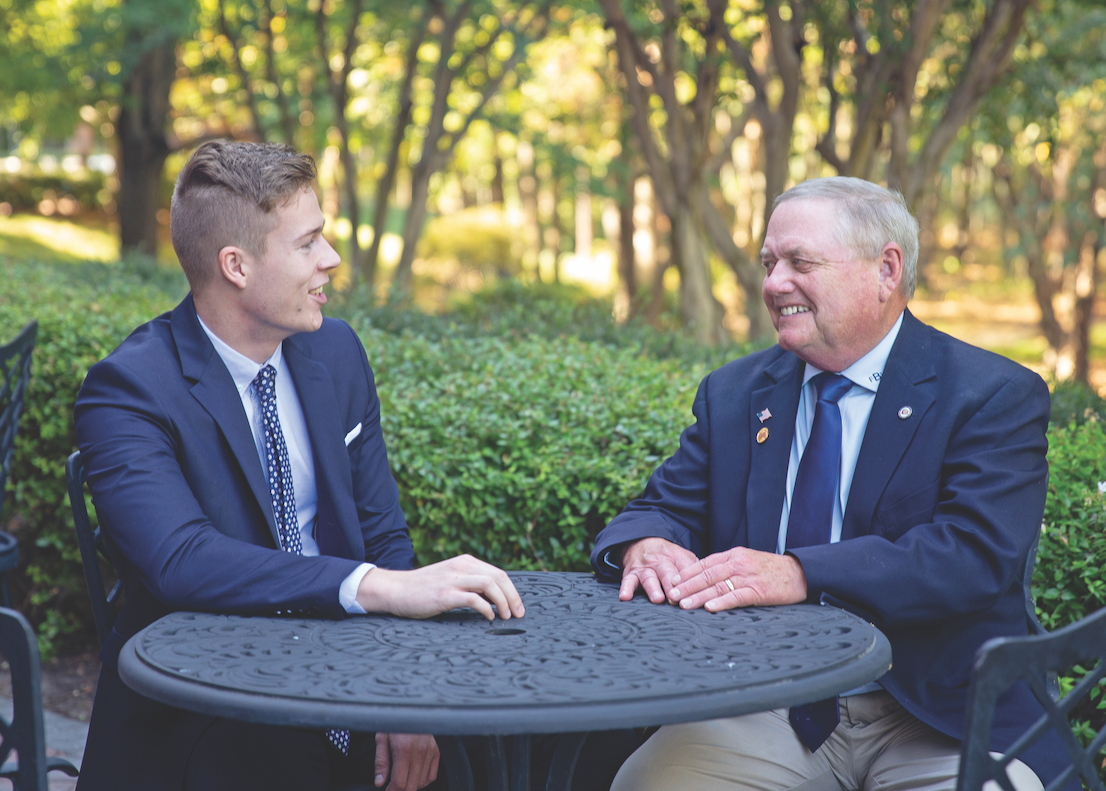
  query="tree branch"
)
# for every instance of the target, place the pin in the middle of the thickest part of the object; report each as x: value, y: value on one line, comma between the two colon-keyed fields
x: 988, y: 59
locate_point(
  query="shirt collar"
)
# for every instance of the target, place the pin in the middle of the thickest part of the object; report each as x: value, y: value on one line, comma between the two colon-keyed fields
x: 242, y: 369
x: 868, y: 370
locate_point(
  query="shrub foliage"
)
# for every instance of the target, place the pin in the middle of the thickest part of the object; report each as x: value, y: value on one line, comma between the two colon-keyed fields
x: 83, y: 312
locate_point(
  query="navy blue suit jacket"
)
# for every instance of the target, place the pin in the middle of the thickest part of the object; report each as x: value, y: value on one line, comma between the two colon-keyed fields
x: 182, y: 496
x: 943, y: 508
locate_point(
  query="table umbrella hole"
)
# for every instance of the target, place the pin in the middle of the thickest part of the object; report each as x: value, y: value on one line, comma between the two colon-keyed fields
x: 506, y: 631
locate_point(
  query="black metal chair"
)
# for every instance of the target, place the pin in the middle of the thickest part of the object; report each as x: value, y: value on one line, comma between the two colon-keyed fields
x: 94, y: 547
x: 15, y: 372
x: 25, y: 733
x: 105, y: 603
x: 1005, y: 661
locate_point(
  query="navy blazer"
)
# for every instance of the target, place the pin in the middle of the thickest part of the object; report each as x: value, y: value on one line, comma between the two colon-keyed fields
x: 182, y: 496
x: 944, y: 506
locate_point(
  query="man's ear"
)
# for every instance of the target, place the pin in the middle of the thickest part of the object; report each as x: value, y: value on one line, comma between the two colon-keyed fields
x: 890, y: 271
x: 234, y: 265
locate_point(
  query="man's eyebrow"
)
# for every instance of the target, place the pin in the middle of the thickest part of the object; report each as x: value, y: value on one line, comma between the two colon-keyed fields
x: 792, y: 252
x: 318, y: 229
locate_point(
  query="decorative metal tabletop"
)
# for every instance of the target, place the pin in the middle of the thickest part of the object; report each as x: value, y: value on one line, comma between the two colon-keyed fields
x: 579, y: 660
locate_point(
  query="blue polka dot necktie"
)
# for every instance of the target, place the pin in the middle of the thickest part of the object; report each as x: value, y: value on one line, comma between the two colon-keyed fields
x: 282, y: 492
x: 810, y: 521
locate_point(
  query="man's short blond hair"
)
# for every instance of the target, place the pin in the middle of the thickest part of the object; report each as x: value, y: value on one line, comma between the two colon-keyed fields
x: 869, y: 216
x: 225, y: 196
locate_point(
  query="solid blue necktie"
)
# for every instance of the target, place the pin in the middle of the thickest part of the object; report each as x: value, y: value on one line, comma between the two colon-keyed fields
x: 810, y: 520
x: 282, y: 492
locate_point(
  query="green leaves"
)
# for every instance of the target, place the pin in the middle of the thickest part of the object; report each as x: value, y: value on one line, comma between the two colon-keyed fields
x: 83, y: 312
x: 520, y: 449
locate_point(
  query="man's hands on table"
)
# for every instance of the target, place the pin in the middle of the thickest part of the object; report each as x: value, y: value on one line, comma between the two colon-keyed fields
x: 652, y: 564
x: 410, y: 760
x: 667, y: 571
x: 462, y: 581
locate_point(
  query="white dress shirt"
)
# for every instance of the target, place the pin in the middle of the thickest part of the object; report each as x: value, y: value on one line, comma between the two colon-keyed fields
x: 243, y: 371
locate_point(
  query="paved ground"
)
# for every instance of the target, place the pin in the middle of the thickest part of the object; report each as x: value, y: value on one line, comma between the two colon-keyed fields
x: 65, y: 737
x: 68, y: 687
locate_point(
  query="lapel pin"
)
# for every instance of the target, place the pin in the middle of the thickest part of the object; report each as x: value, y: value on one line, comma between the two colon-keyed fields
x: 762, y: 435
x: 764, y: 414
x: 905, y: 412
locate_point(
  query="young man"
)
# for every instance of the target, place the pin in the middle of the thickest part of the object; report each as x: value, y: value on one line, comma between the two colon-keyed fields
x: 234, y: 451
x: 867, y: 461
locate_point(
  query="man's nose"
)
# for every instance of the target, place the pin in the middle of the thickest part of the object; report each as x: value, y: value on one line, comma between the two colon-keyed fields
x: 777, y: 280
x: 331, y: 259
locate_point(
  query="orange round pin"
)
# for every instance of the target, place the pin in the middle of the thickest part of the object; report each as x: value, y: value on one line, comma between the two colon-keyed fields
x: 762, y: 435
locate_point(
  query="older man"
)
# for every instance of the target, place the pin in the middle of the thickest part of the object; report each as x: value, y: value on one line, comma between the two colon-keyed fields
x: 867, y: 461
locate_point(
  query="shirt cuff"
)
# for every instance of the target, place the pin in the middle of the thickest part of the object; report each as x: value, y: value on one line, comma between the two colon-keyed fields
x: 347, y: 591
x: 607, y: 563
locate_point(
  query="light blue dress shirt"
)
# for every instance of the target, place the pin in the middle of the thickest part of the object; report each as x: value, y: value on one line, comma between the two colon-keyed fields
x: 243, y: 371
x: 856, y: 408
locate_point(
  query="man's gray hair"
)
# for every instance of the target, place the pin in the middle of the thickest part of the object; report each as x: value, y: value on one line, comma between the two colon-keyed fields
x: 870, y: 216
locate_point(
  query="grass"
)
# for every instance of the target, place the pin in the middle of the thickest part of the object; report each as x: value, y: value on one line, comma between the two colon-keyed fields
x: 27, y: 236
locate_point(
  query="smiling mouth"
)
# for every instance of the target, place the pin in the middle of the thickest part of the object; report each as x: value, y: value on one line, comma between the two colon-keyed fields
x: 316, y: 292
x: 792, y: 310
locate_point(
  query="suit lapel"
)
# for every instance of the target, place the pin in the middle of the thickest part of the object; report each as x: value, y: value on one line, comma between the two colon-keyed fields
x: 908, y: 381
x: 769, y: 459
x: 333, y: 479
x: 214, y: 388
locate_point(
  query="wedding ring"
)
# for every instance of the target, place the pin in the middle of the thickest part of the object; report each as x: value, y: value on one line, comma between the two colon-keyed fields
x: 729, y: 584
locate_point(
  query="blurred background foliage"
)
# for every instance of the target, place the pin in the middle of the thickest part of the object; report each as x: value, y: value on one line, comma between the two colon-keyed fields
x: 550, y: 215
x: 633, y: 146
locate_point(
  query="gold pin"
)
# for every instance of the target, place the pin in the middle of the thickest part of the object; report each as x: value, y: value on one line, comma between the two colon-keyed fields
x: 762, y: 435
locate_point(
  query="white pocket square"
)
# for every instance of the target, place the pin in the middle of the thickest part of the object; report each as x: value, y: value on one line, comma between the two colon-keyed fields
x: 352, y: 435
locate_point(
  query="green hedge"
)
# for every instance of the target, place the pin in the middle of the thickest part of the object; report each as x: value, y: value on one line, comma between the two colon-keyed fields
x: 24, y: 192
x: 521, y: 450
x: 1069, y: 581
x: 83, y: 312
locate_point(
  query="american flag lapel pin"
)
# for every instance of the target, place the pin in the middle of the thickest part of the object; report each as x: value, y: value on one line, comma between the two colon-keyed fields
x: 764, y: 414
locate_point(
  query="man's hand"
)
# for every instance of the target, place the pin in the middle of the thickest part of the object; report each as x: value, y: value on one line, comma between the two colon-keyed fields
x: 652, y: 563
x: 462, y: 581
x: 760, y: 579
x: 410, y: 759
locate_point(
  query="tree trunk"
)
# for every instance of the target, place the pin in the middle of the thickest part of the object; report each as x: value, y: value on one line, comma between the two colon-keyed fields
x: 1086, y: 289
x: 556, y: 227
x: 701, y: 312
x: 353, y: 205
x: 399, y: 133
x: 528, y: 196
x: 337, y: 83
x: 143, y: 147
x: 412, y: 229
x: 626, y: 259
x: 497, y: 179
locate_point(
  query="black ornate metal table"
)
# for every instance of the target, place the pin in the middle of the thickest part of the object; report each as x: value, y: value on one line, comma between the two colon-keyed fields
x: 580, y: 660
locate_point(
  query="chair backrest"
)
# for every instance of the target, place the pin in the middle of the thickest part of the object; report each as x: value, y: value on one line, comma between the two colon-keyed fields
x: 15, y: 372
x: 1052, y: 681
x: 1005, y: 661
x: 25, y: 733
x: 1034, y: 623
x: 93, y: 546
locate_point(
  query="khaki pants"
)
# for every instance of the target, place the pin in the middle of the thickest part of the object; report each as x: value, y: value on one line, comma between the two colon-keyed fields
x: 878, y: 746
